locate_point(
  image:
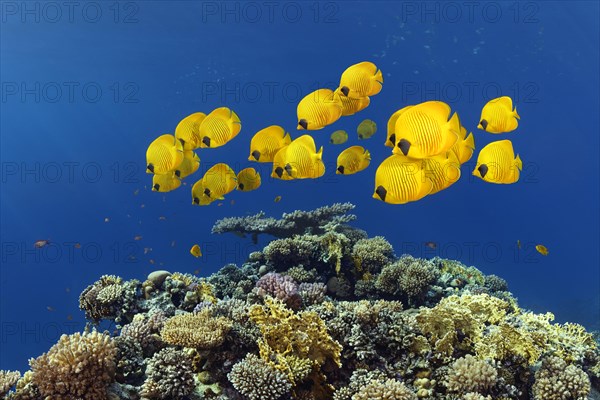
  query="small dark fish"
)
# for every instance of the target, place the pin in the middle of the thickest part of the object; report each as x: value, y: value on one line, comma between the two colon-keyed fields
x: 431, y: 245
x: 38, y: 244
x: 69, y: 317
x: 519, y: 244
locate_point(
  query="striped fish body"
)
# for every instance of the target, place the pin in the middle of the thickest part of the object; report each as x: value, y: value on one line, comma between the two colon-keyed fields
x: 218, y: 181
x: 443, y: 171
x: 400, y: 179
x: 219, y: 127
x: 361, y: 80
x: 188, y: 131
x: 318, y: 109
x: 496, y: 163
x: 267, y: 142
x: 164, y: 155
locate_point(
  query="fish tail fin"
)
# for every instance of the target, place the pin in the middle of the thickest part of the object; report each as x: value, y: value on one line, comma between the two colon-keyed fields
x: 453, y: 131
x: 470, y: 141
x: 519, y: 163
x: 319, y: 155
x: 517, y: 116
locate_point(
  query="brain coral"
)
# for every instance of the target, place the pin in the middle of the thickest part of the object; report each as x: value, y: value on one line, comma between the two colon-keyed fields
x: 469, y: 374
x: 557, y: 381
x: 79, y: 366
x: 196, y: 330
x: 257, y: 380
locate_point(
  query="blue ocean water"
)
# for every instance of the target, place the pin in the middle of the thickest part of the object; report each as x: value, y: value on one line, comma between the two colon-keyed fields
x: 86, y: 86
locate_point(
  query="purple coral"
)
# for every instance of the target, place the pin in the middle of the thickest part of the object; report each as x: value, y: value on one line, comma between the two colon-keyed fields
x: 281, y: 287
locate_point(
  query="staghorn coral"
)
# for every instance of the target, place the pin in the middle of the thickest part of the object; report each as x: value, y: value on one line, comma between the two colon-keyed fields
x: 25, y: 389
x: 257, y: 380
x: 557, y: 381
x: 469, y: 374
x: 408, y: 279
x: 371, y: 255
x: 281, y: 287
x: 196, y: 330
x: 169, y: 375
x: 389, y: 389
x: 301, y: 275
x: 78, y: 366
x: 295, y: 223
x: 7, y: 380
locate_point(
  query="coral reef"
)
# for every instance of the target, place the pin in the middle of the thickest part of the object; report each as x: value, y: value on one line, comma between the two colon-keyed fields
x: 321, y: 312
x: 257, y: 380
x: 78, y: 366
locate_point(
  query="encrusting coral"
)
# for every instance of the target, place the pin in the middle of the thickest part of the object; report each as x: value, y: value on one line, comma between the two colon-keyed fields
x: 321, y: 312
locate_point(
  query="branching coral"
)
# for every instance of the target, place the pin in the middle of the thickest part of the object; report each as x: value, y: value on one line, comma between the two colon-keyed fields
x: 7, y: 380
x: 312, y: 293
x: 469, y: 374
x: 78, y: 366
x: 196, y: 330
x: 281, y: 287
x: 295, y: 223
x: 257, y: 380
x: 371, y: 255
x: 389, y: 389
x: 557, y: 381
x: 408, y: 278
x: 169, y: 376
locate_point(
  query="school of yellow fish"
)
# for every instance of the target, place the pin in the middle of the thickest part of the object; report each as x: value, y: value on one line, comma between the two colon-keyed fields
x: 428, y: 143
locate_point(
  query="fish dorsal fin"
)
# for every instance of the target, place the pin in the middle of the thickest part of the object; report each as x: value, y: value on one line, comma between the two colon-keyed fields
x: 319, y: 154
x: 306, y: 141
x: 506, y: 102
x: 519, y: 163
x: 367, y: 155
x: 436, y: 109
x: 470, y: 141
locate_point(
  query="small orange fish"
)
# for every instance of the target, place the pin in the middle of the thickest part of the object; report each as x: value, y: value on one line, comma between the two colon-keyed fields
x: 431, y: 245
x: 77, y: 245
x: 38, y: 244
x: 69, y: 317
x: 147, y: 250
x: 196, y: 271
x: 277, y: 199
x: 138, y: 237
x: 219, y: 204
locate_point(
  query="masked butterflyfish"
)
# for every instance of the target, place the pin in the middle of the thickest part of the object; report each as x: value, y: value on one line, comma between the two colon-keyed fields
x: 351, y: 106
x: 248, y: 179
x: 164, y: 154
x: 165, y: 183
x: 301, y: 159
x: 496, y: 163
x: 400, y: 179
x: 280, y: 169
x: 424, y: 130
x: 352, y: 160
x: 188, y: 131
x: 464, y: 146
x: 189, y: 165
x: 267, y: 142
x: 443, y: 170
x: 390, y: 140
x: 338, y: 137
x: 219, y: 127
x: 361, y: 80
x: 498, y: 116
x: 318, y: 109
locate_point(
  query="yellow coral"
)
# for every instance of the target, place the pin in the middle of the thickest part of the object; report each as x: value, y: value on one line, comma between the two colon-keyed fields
x: 505, y: 340
x: 197, y: 330
x: 285, y: 334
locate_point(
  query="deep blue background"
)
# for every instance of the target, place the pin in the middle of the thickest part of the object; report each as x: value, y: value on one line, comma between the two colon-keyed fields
x: 155, y: 62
